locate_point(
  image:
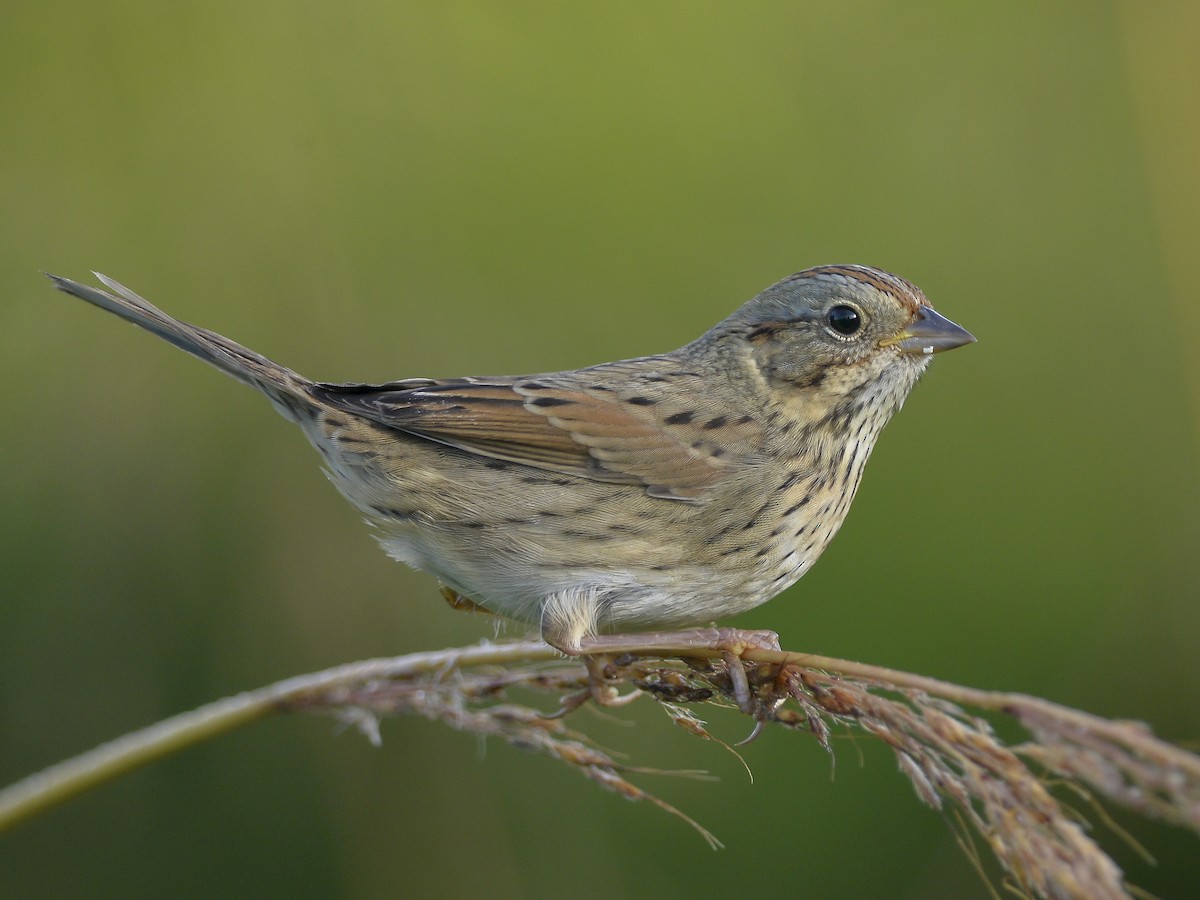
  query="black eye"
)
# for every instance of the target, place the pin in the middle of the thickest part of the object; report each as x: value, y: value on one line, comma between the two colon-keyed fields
x: 844, y: 320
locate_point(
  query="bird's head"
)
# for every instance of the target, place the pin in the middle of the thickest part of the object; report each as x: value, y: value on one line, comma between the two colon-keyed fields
x: 840, y: 329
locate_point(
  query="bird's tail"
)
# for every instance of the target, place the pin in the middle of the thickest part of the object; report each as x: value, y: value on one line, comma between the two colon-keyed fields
x: 287, y: 390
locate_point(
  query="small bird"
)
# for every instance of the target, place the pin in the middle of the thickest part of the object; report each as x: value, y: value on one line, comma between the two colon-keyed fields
x: 664, y: 492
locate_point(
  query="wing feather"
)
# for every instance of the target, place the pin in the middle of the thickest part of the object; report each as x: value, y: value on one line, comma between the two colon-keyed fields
x: 566, y: 423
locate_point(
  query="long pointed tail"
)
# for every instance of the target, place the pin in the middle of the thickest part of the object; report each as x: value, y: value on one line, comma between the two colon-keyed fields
x: 287, y: 390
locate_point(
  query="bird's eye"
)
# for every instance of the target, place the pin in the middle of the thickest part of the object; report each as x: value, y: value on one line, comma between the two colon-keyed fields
x: 845, y: 320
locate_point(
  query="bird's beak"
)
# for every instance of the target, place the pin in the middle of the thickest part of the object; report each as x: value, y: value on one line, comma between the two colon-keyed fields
x: 931, y: 333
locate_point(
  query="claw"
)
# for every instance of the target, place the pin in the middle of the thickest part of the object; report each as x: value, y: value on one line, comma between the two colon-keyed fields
x: 458, y: 601
x: 760, y: 725
x: 570, y: 703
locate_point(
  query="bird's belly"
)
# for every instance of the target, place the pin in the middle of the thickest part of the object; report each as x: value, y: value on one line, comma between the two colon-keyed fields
x: 627, y: 585
x: 617, y: 559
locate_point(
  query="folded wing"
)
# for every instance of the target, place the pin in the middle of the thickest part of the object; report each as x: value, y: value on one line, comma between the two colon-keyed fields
x: 675, y: 451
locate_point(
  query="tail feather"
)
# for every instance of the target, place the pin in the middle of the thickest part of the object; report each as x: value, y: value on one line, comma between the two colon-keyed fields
x: 284, y: 387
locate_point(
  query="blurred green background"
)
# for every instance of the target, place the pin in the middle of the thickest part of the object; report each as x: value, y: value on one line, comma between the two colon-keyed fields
x: 396, y: 189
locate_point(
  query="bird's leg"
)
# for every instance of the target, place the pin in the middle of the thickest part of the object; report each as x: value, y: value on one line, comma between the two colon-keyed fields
x: 598, y: 690
x: 730, y: 643
x: 459, y: 602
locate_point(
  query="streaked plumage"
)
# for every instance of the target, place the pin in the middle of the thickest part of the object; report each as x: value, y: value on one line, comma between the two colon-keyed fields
x: 664, y: 491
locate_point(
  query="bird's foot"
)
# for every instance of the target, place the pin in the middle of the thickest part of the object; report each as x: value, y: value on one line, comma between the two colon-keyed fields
x: 728, y: 643
x: 600, y: 689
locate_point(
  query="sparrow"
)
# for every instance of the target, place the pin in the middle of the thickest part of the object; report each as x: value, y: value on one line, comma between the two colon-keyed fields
x: 629, y: 504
